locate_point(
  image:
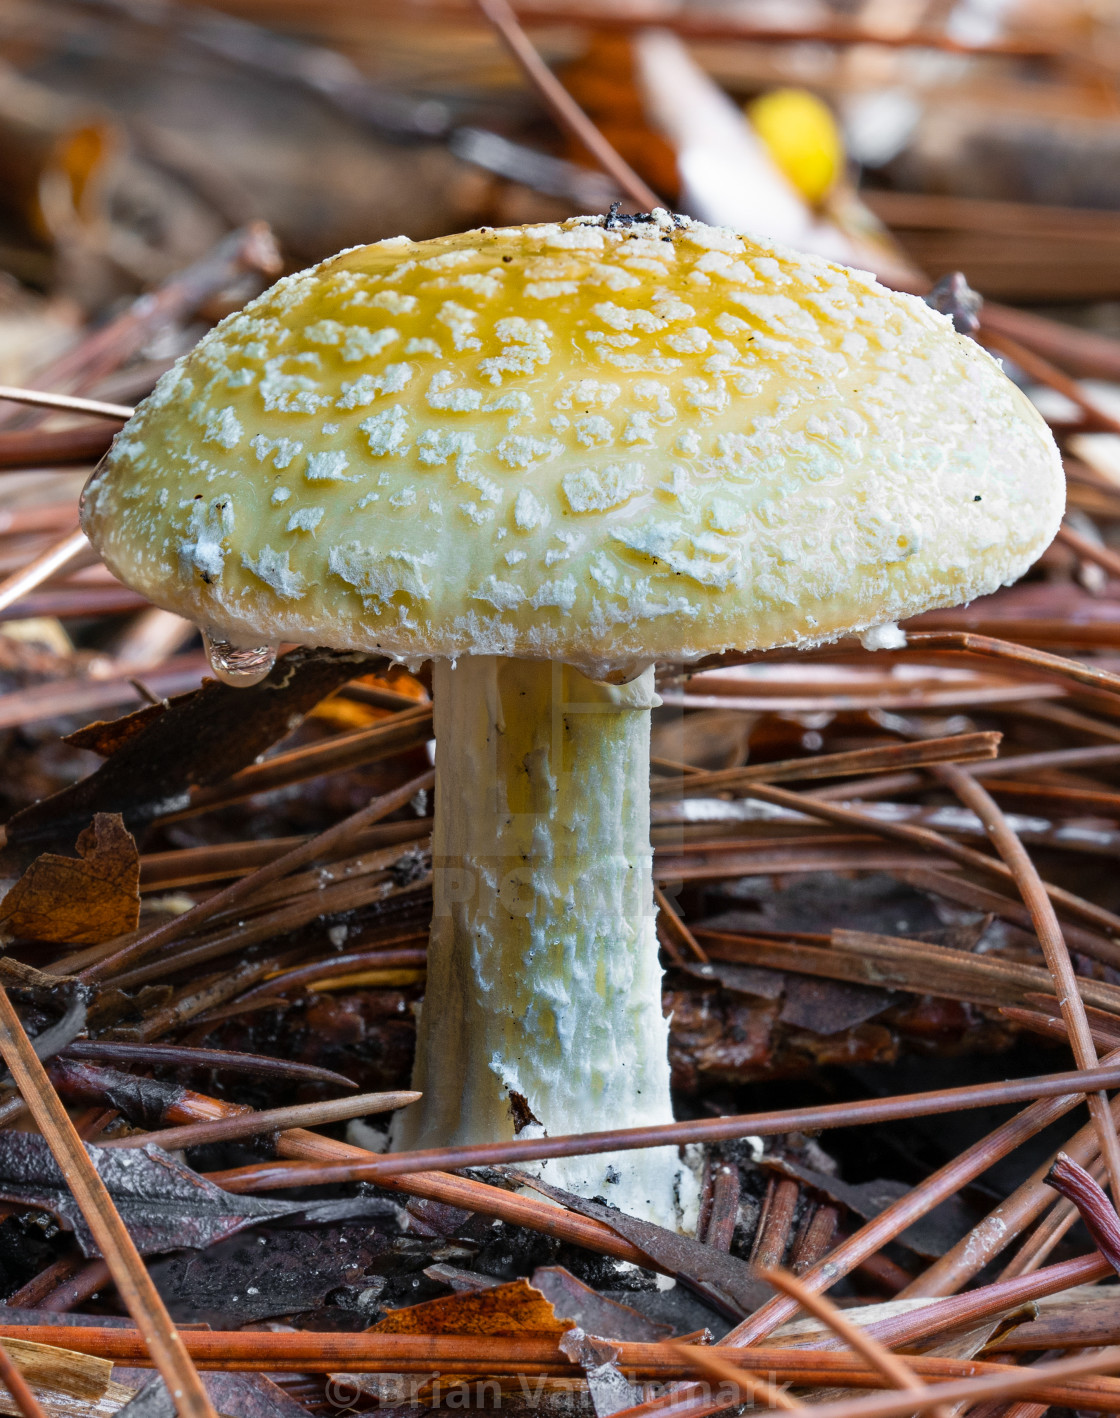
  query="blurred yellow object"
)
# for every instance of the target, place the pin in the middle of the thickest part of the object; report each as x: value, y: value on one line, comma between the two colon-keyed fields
x: 346, y: 714
x: 802, y: 137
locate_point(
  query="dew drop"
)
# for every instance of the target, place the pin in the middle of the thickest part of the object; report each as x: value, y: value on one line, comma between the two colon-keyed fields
x: 238, y: 667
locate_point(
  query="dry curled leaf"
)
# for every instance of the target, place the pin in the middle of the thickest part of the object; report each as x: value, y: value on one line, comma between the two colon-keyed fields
x: 513, y: 1309
x: 165, y: 1205
x: 1073, y: 1182
x: 84, y: 900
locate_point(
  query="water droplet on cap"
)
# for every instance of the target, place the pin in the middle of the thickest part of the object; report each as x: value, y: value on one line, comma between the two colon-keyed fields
x: 236, y: 666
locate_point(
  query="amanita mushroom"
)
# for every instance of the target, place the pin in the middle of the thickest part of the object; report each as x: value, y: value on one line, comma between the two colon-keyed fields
x: 545, y: 457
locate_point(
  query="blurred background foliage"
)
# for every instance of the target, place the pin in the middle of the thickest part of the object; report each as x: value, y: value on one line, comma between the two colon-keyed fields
x: 911, y: 136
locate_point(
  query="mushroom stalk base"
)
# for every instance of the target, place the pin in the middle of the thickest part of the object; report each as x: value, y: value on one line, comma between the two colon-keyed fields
x: 543, y: 1005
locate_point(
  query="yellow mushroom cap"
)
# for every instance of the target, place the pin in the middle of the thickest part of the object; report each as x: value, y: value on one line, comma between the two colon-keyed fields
x: 602, y: 442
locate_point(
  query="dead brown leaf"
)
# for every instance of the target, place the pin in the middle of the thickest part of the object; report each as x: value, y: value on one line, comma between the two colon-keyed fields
x: 106, y: 736
x: 199, y: 738
x: 512, y: 1309
x: 86, y: 899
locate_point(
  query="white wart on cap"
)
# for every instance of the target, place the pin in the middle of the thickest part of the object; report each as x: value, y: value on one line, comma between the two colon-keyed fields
x: 595, y: 442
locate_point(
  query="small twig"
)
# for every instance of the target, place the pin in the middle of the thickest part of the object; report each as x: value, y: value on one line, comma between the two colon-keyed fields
x: 723, y: 1211
x: 1050, y: 938
x: 563, y: 107
x: 140, y: 1296
x: 775, y: 1221
x: 252, y: 1124
x: 67, y: 403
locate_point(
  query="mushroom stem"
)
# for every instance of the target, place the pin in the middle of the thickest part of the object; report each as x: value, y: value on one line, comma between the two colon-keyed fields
x: 543, y: 1004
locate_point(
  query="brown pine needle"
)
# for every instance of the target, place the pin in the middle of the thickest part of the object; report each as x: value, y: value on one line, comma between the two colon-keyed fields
x: 311, y: 1352
x: 1011, y: 650
x: 1087, y: 550
x: 1066, y: 1087
x: 1002, y: 1296
x: 221, y: 1060
x: 893, y: 1369
x: 406, y: 729
x: 134, y: 1285
x: 1008, y: 1220
x: 709, y: 1362
x: 463, y: 1192
x: 22, y: 582
x: 975, y: 796
x: 333, y: 1110
x: 970, y: 1391
x: 563, y: 107
x: 893, y: 1219
x: 923, y: 837
x: 240, y: 890
x: 1040, y: 368
x: 956, y: 748
x: 670, y: 920
x: 65, y: 403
